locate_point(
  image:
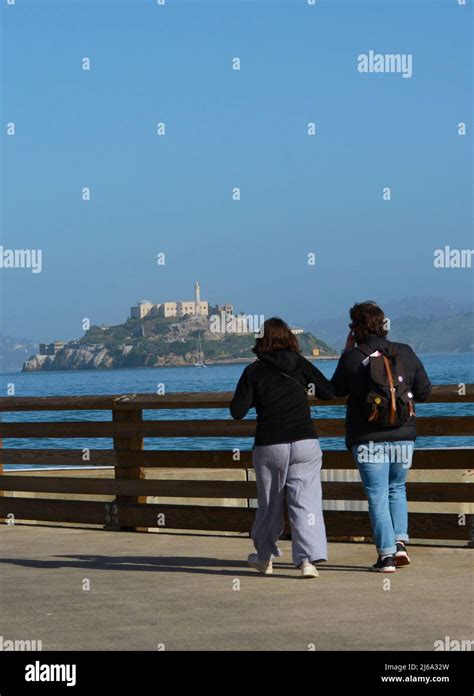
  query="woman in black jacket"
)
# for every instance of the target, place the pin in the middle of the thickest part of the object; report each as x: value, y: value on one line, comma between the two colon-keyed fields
x: 286, y: 454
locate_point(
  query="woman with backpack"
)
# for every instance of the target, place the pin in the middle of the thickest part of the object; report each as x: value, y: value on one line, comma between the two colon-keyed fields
x: 286, y: 455
x: 383, y: 380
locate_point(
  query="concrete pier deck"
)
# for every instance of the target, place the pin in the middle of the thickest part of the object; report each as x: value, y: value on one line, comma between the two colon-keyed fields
x: 196, y: 592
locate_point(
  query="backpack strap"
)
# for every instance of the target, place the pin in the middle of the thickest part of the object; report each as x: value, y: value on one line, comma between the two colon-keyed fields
x: 293, y: 379
x: 279, y: 372
x: 391, y: 384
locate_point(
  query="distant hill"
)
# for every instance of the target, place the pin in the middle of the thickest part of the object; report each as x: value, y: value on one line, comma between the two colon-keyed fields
x: 429, y: 325
x: 14, y: 352
x: 436, y: 334
x: 425, y: 307
x: 155, y: 342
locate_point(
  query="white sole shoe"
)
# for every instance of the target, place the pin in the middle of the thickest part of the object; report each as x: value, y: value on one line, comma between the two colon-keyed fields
x: 387, y: 565
x: 264, y: 567
x: 402, y: 559
x: 401, y: 556
x: 308, y: 570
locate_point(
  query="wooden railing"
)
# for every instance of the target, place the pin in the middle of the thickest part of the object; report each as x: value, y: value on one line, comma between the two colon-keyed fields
x: 129, y: 509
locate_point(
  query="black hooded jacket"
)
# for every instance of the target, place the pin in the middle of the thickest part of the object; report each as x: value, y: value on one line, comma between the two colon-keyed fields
x: 281, y: 402
x: 352, y: 378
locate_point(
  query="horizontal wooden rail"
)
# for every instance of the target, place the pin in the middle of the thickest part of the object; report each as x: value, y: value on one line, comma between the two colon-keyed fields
x: 232, y: 519
x: 443, y: 393
x: 442, y: 458
x: 332, y: 490
x: 130, y: 489
x: 446, y: 426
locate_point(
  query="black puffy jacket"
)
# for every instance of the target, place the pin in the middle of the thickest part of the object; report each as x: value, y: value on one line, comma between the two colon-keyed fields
x: 281, y: 403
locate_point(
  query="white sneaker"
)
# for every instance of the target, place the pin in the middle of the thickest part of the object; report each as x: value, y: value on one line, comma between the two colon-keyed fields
x: 264, y: 567
x: 308, y: 570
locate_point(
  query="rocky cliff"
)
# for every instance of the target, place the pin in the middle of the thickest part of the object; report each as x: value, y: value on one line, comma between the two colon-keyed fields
x: 154, y: 344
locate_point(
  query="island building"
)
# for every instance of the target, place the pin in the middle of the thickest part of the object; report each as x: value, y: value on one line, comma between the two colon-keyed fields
x: 50, y: 348
x: 178, y: 309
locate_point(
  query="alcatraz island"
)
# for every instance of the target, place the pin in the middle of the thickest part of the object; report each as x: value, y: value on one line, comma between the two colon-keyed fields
x: 178, y: 333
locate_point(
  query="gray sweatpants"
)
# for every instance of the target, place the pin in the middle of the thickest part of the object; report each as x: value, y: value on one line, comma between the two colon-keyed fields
x: 293, y: 470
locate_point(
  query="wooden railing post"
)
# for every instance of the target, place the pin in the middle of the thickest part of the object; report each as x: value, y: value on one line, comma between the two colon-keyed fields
x: 125, y: 444
x: 2, y: 519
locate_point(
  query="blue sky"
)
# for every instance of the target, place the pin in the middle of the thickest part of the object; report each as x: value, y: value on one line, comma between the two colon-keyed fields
x: 227, y: 128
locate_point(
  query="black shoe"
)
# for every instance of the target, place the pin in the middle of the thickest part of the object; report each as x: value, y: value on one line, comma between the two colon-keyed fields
x: 401, y: 556
x: 387, y: 565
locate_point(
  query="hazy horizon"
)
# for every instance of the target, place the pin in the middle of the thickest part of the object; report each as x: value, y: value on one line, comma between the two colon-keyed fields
x: 341, y: 316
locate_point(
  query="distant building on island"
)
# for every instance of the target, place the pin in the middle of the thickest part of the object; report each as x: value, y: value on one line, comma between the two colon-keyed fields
x: 51, y: 348
x: 225, y: 309
x: 178, y: 309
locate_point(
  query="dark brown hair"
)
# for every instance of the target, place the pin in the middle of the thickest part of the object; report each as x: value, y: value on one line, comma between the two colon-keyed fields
x: 277, y: 335
x: 367, y: 318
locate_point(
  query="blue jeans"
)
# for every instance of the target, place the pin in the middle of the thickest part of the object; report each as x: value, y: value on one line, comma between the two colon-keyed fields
x: 383, y: 468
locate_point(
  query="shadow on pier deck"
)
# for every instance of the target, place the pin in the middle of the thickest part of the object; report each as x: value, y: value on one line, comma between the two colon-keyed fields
x: 192, y: 592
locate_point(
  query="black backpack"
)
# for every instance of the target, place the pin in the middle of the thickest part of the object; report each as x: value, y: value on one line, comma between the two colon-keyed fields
x: 389, y: 398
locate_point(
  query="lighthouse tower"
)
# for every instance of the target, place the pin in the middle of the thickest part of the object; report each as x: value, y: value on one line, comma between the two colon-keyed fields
x: 197, y: 299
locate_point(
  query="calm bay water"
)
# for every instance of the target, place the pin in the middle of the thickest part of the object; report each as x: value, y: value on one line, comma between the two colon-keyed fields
x: 442, y: 368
